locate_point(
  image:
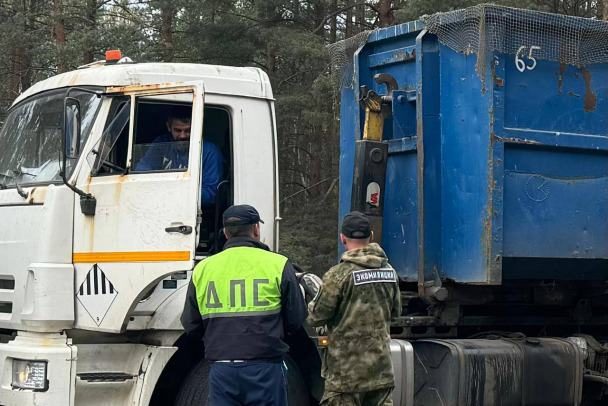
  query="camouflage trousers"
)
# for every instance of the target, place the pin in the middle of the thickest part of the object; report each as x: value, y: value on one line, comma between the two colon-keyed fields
x: 380, y: 397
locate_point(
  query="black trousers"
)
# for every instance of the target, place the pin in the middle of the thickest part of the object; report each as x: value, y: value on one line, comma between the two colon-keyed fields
x: 249, y: 383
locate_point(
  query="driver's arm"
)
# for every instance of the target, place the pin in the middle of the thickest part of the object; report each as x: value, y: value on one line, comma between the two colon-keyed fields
x: 213, y: 172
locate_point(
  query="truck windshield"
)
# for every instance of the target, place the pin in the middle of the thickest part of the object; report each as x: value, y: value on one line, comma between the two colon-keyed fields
x: 31, y: 138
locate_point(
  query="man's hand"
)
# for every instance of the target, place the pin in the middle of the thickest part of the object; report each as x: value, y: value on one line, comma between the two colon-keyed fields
x: 310, y: 284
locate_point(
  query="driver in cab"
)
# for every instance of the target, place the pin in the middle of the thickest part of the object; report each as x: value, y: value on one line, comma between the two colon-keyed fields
x: 170, y: 151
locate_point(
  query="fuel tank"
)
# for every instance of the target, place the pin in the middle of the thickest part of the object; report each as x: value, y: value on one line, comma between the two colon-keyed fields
x: 505, y: 372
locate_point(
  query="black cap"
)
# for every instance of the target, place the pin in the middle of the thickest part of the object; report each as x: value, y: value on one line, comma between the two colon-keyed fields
x: 356, y: 225
x: 240, y: 215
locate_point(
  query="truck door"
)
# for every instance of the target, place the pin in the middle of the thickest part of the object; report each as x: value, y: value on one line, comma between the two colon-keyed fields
x: 147, y: 186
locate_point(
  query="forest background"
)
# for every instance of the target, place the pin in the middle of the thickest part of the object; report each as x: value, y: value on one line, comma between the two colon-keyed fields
x: 286, y: 38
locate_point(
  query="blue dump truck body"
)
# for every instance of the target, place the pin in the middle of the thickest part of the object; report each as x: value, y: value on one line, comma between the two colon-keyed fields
x: 476, y: 141
x: 497, y: 164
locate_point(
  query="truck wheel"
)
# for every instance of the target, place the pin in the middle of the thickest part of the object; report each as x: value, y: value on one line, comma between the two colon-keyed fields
x: 194, y: 391
x: 297, y: 394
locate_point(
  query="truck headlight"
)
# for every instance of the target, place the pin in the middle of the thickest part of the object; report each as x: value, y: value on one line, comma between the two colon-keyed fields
x: 29, y: 374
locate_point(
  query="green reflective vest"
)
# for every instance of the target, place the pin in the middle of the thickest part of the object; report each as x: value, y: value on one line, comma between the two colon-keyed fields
x: 240, y: 281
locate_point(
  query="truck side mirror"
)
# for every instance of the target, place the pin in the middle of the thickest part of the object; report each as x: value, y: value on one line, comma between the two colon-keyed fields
x: 71, y: 128
x: 71, y: 149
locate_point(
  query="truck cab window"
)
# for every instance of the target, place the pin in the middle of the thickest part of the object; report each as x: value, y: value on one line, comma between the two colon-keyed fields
x: 111, y: 156
x: 154, y: 148
x: 162, y: 137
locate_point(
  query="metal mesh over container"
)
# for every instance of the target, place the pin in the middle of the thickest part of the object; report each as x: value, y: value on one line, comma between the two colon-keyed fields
x: 487, y: 28
x: 341, y: 54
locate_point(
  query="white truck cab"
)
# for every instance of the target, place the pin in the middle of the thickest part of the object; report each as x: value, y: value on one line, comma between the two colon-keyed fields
x: 94, y: 267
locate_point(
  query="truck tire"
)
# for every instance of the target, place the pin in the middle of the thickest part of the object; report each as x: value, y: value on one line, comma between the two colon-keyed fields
x: 297, y: 394
x: 194, y: 391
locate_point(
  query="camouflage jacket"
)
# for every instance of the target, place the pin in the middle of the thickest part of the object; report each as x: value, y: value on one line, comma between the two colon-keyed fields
x: 356, y: 302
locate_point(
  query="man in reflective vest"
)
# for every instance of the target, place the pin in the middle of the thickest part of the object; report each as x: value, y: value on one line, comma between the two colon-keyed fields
x: 241, y: 301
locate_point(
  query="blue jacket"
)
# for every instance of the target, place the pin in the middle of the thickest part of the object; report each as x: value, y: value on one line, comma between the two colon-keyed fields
x: 166, y: 154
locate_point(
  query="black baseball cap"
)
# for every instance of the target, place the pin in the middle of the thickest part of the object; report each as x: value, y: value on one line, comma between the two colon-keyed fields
x: 240, y: 215
x: 356, y: 225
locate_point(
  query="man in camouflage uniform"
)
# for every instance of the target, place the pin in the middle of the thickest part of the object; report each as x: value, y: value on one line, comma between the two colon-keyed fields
x: 357, y: 301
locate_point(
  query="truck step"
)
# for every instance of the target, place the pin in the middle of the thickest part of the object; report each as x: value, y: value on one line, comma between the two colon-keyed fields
x: 105, y: 376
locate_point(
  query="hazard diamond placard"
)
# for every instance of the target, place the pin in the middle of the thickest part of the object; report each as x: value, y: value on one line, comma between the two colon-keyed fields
x: 96, y: 294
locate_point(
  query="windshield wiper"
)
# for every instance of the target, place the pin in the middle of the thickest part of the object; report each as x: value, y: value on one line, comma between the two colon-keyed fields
x: 20, y: 190
x: 4, y: 185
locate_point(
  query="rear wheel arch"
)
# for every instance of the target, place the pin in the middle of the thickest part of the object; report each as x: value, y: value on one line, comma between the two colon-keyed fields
x: 189, y: 353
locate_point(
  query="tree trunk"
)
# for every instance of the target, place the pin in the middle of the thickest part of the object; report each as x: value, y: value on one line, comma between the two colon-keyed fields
x: 88, y: 54
x: 166, y: 30
x: 349, y: 20
x: 60, y: 39
x: 26, y: 64
x: 385, y: 14
x: 333, y: 31
x: 25, y: 69
x: 315, y: 170
x: 319, y: 16
x: 22, y: 63
x: 360, y: 18
x: 271, y: 63
x: 14, y: 83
